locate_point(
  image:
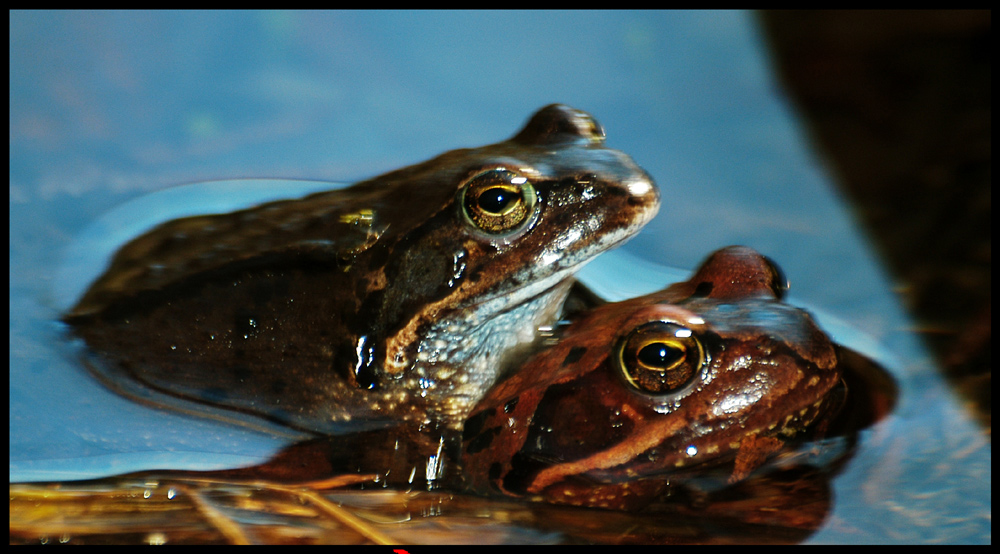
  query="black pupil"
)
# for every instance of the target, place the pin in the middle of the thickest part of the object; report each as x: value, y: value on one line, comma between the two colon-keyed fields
x: 496, y: 200
x: 659, y: 355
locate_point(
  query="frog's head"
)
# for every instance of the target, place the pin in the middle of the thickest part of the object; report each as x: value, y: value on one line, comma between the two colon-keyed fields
x: 478, y: 248
x: 643, y: 390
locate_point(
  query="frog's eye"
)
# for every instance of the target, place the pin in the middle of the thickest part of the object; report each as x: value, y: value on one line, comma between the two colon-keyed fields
x: 498, y: 201
x: 659, y: 357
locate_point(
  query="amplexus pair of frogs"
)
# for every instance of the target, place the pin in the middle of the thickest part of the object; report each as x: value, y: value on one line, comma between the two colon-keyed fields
x: 400, y: 316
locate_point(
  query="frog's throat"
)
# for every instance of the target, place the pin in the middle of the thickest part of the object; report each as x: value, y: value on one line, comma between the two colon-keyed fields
x: 442, y: 314
x: 463, y: 373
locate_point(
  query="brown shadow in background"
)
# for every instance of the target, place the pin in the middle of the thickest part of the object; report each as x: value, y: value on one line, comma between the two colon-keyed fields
x: 899, y: 102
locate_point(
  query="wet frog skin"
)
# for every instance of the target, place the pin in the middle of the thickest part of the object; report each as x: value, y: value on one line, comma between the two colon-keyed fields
x: 639, y: 392
x: 395, y: 299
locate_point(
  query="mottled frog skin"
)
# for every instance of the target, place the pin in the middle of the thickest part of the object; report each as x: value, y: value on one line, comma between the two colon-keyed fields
x: 396, y: 299
x: 638, y: 392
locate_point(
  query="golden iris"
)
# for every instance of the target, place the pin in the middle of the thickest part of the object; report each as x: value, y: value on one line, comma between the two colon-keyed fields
x: 498, y: 201
x: 659, y: 357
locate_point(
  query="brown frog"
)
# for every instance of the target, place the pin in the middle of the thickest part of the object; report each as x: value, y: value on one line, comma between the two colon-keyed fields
x: 396, y: 299
x: 640, y: 392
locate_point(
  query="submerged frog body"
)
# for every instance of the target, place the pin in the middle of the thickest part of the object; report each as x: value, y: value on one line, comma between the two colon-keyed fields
x: 396, y: 299
x: 638, y: 392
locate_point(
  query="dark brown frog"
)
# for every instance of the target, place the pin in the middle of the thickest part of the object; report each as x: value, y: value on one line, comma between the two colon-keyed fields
x: 397, y: 299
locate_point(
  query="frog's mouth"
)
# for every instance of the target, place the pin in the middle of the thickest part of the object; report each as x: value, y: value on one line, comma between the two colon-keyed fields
x: 564, y: 265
